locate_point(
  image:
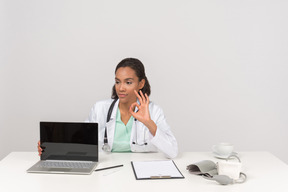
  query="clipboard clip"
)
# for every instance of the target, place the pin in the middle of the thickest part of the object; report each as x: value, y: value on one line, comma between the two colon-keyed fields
x: 161, y: 177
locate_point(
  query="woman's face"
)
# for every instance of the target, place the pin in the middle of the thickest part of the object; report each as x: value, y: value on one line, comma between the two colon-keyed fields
x: 126, y: 82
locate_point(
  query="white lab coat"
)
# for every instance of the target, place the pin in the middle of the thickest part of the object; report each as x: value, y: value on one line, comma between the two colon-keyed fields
x: 163, y: 140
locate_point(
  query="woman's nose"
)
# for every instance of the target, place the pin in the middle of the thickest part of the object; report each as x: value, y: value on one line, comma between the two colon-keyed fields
x: 121, y: 87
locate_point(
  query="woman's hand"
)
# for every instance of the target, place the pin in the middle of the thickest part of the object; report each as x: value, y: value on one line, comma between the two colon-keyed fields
x: 39, y: 149
x: 143, y: 114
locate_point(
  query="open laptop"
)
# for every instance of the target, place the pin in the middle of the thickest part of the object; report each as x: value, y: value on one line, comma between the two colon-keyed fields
x: 68, y: 147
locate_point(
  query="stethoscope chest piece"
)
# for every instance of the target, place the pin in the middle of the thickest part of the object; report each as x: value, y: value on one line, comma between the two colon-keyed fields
x: 106, y: 147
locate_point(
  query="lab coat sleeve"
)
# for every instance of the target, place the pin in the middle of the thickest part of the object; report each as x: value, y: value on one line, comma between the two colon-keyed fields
x: 164, y: 139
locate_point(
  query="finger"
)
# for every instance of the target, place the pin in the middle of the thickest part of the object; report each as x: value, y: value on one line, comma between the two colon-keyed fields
x: 39, y: 152
x: 138, y: 96
x: 39, y: 148
x: 133, y: 105
x: 132, y: 112
x: 147, y: 98
x: 143, y: 97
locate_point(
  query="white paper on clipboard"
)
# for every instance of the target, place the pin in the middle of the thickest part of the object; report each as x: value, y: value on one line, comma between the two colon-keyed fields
x: 156, y: 169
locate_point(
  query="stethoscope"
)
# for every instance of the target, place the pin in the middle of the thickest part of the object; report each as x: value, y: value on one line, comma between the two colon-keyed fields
x: 106, y: 147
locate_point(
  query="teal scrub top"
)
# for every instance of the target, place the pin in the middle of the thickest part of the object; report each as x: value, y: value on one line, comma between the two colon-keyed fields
x: 122, y: 134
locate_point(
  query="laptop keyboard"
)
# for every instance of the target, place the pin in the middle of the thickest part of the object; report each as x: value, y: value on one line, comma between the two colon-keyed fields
x: 66, y: 164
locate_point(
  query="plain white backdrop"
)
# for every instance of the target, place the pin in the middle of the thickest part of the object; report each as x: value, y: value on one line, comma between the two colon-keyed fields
x: 218, y: 68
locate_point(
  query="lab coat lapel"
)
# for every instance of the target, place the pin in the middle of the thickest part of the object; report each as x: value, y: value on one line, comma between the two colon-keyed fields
x: 111, y: 125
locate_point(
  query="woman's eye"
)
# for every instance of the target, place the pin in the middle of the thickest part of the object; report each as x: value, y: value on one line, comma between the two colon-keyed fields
x: 129, y: 83
x: 117, y: 82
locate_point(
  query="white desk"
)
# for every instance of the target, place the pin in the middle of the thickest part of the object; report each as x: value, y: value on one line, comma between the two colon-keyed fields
x: 265, y: 173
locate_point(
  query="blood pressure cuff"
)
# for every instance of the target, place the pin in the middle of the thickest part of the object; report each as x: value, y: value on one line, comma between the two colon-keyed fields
x: 204, y: 168
x: 208, y: 169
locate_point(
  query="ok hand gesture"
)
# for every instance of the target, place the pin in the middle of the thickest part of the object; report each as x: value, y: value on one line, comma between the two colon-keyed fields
x: 143, y: 114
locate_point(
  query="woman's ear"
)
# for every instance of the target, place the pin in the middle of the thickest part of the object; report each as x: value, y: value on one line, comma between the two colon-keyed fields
x: 141, y: 84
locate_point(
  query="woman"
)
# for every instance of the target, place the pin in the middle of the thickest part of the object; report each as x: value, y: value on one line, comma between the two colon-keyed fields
x: 135, y: 124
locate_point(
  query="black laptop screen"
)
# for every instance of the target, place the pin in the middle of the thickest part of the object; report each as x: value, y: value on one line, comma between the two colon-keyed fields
x: 69, y: 141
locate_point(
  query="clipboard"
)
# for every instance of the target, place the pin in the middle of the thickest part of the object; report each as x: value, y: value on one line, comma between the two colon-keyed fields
x: 159, y: 169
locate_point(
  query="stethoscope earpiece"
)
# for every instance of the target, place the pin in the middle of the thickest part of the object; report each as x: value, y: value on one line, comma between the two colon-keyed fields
x: 136, y: 141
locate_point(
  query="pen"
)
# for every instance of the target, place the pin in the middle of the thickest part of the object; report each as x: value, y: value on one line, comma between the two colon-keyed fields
x: 109, y: 167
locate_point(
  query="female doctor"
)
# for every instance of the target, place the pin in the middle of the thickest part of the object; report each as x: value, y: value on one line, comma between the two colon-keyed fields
x: 129, y: 121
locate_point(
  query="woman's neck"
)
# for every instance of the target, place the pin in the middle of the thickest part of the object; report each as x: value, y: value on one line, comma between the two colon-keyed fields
x: 124, y: 107
x: 124, y: 111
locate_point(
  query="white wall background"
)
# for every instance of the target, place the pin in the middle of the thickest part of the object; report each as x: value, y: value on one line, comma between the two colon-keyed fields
x: 218, y: 68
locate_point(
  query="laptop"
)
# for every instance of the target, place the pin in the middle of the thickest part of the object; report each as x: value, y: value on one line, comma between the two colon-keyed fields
x: 68, y: 147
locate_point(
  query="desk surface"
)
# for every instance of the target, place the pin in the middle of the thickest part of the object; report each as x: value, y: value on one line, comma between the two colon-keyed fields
x: 265, y: 173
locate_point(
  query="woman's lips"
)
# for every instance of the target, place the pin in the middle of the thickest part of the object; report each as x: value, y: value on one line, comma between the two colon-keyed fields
x: 122, y: 95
